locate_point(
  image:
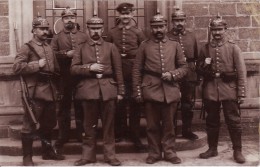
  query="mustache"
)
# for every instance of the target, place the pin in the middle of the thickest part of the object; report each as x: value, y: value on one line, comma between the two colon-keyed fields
x: 159, y: 33
x: 179, y: 26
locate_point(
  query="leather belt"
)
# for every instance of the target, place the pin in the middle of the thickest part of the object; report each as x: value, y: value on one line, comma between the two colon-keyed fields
x: 127, y: 56
x: 217, y: 75
x: 156, y: 74
x: 100, y: 76
x: 190, y: 60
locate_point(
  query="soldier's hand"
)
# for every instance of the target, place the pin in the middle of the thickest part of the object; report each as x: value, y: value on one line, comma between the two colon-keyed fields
x: 70, y: 53
x: 167, y: 76
x: 42, y: 62
x: 97, y: 67
x: 240, y: 100
x: 139, y: 99
x: 119, y: 98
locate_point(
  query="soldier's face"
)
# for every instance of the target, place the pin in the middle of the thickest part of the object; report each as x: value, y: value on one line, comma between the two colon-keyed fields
x: 178, y: 23
x: 126, y: 16
x: 159, y: 31
x: 69, y: 21
x: 41, y: 33
x: 218, y: 33
x: 95, y: 33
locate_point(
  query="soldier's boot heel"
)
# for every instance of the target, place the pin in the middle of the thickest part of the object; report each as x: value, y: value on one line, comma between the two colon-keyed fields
x: 27, y: 160
x: 211, y: 152
x: 27, y: 142
x: 238, y: 156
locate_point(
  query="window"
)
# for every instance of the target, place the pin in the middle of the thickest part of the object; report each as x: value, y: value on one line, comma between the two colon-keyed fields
x: 52, y: 9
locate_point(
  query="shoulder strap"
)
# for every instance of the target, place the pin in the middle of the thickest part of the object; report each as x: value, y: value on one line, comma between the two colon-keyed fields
x: 33, y: 50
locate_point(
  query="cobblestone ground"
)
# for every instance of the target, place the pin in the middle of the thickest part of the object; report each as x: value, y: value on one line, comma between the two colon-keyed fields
x: 189, y: 157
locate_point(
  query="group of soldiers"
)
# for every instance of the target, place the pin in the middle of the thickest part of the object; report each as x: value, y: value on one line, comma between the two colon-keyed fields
x: 128, y: 73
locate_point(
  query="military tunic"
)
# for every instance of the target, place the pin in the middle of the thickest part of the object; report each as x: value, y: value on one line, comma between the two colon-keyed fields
x: 127, y: 39
x: 226, y: 57
x: 188, y: 42
x: 98, y: 93
x: 61, y: 43
x: 155, y: 57
x: 41, y: 91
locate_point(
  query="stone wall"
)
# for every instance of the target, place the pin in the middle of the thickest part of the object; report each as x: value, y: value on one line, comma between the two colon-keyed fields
x: 243, y: 18
x: 4, y: 28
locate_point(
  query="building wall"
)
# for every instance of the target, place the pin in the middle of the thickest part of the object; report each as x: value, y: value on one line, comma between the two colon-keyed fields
x: 4, y: 29
x: 243, y: 18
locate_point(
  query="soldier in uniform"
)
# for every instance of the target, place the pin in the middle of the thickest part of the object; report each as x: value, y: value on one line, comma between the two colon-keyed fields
x: 223, y: 69
x: 159, y: 65
x: 127, y: 37
x: 189, y: 45
x: 64, y: 45
x: 33, y: 60
x: 100, y: 67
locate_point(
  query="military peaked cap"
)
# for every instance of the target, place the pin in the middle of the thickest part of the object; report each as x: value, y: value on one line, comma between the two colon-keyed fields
x: 68, y: 12
x: 125, y: 7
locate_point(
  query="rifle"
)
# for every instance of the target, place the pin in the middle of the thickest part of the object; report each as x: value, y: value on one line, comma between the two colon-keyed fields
x: 24, y: 90
x: 27, y: 102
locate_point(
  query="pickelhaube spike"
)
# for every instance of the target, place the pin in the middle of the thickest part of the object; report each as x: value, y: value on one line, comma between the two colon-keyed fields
x: 40, y: 22
x: 218, y: 22
x: 68, y: 12
x: 158, y: 19
x: 178, y: 14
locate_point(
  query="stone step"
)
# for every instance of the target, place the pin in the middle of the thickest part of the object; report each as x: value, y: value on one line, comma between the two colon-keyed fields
x: 13, y: 147
x: 14, y: 131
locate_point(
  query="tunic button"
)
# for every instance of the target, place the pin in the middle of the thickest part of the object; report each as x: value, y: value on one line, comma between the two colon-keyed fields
x: 98, y: 61
x: 163, y: 69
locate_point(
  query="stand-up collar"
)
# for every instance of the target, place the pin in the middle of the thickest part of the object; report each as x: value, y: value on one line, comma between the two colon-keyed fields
x: 128, y: 26
x: 92, y: 42
x: 37, y: 42
x: 162, y: 40
x: 217, y: 43
x: 176, y: 32
x: 74, y: 30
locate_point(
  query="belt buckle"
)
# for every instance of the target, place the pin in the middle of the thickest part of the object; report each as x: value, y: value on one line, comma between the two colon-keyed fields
x: 123, y: 54
x: 217, y: 75
x: 99, y: 76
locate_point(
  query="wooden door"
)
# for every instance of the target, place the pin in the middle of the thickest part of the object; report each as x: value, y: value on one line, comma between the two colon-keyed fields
x: 144, y: 10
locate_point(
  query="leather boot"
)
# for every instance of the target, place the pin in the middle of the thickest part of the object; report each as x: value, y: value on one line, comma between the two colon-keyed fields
x: 213, y: 134
x: 63, y: 137
x: 48, y: 151
x: 27, y: 142
x: 235, y: 135
x: 187, y: 116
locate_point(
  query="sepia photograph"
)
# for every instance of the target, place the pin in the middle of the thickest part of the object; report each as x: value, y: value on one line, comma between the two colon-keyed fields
x: 129, y: 82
